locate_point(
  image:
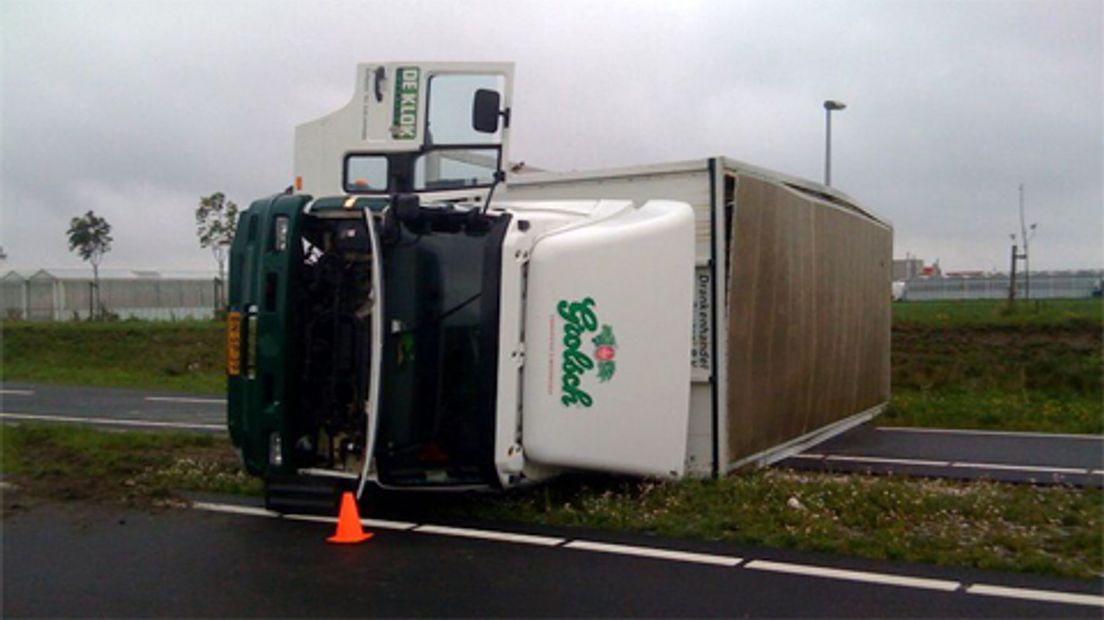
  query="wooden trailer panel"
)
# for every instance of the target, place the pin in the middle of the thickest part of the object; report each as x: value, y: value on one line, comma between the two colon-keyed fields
x: 809, y: 316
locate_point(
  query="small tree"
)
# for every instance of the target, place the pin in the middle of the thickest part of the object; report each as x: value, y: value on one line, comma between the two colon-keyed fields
x: 216, y: 221
x: 90, y: 238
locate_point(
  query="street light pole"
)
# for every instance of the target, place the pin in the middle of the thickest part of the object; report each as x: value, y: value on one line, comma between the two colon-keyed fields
x: 829, y: 106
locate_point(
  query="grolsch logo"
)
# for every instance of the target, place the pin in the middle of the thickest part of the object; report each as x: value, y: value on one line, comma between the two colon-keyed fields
x: 580, y: 321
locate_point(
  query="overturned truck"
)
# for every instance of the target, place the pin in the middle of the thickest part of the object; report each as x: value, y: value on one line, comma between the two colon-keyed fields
x: 414, y: 313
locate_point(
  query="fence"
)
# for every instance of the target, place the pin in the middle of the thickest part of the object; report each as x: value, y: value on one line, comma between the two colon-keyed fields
x: 1071, y: 285
x: 44, y: 297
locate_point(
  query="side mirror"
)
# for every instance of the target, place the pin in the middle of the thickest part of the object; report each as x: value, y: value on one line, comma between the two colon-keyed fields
x: 485, y: 110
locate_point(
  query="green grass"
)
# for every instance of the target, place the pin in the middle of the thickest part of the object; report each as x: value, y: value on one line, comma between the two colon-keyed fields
x: 1032, y: 411
x: 1051, y: 313
x: 132, y: 467
x: 1055, y: 530
x: 974, y: 365
x: 185, y: 356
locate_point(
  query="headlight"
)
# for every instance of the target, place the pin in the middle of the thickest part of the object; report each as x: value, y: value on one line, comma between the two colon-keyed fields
x: 281, y: 233
x: 275, y: 450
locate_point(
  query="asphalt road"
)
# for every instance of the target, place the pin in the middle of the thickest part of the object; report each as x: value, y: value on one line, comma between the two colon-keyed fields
x: 73, y: 560
x: 1012, y: 457
x: 112, y: 407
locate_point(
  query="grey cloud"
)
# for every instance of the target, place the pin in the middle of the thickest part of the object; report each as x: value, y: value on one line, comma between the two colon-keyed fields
x: 136, y: 109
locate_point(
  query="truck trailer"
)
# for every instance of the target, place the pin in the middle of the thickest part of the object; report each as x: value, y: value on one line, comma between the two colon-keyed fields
x: 416, y: 313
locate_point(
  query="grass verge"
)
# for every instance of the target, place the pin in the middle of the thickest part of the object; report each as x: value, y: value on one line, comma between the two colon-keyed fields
x: 1027, y: 411
x: 184, y: 356
x: 131, y: 467
x: 975, y: 365
x: 1050, y: 530
x: 1050, y: 313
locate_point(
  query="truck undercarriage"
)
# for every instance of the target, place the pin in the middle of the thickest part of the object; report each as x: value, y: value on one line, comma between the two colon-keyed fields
x: 333, y: 308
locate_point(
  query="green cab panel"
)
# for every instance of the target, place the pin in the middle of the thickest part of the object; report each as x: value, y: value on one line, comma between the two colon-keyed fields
x: 264, y: 257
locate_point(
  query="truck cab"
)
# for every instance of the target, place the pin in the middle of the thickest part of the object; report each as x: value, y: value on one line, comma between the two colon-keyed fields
x: 392, y: 323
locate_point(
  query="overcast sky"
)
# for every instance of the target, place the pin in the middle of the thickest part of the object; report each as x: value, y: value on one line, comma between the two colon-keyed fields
x: 135, y: 110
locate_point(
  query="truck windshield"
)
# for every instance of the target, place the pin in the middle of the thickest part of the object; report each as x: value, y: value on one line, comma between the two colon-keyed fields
x: 439, y: 356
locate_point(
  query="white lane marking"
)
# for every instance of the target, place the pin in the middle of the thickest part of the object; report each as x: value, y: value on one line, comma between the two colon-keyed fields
x: 955, y: 464
x: 17, y: 392
x: 1098, y: 472
x: 964, y: 431
x: 944, y: 585
x: 763, y: 565
x: 1006, y: 467
x: 463, y: 532
x: 261, y: 512
x: 311, y: 518
x: 384, y: 524
x: 1049, y: 596
x: 379, y: 524
x: 252, y: 511
x: 114, y: 421
x: 182, y: 399
x: 651, y: 552
x: 808, y: 455
x: 886, y: 460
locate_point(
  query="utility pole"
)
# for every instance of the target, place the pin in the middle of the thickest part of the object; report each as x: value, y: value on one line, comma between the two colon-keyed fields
x: 1026, y: 234
x: 1023, y: 235
x: 1012, y: 271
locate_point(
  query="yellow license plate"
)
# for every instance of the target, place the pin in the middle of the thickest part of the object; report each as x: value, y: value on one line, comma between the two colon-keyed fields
x: 233, y: 344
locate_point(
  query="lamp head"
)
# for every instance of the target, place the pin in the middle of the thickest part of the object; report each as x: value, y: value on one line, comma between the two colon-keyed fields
x: 834, y: 105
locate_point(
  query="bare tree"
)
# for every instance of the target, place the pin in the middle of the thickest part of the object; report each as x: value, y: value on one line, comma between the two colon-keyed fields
x: 90, y: 238
x: 216, y: 221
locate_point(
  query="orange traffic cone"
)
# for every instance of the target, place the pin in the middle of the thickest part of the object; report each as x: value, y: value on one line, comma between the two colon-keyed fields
x: 349, y: 530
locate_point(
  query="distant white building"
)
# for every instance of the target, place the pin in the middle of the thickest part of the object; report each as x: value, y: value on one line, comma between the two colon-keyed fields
x: 67, y: 293
x: 1067, y: 284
